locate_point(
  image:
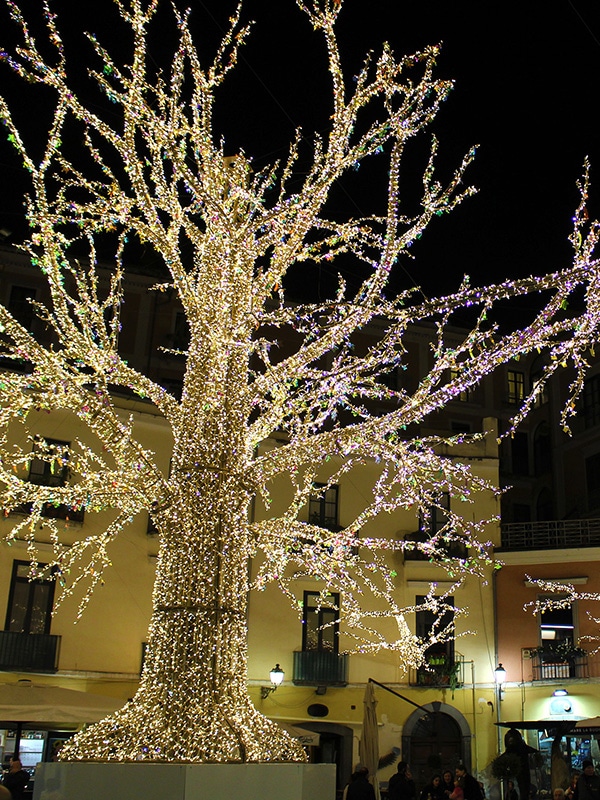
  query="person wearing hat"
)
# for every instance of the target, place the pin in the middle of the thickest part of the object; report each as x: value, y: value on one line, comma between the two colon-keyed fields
x: 588, y: 785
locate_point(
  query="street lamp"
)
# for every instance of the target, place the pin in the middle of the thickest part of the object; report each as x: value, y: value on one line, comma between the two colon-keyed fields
x: 499, y: 678
x: 276, y: 675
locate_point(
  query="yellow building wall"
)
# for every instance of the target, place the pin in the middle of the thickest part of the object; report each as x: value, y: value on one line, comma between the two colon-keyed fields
x: 275, y: 630
x: 101, y: 652
x: 107, y: 638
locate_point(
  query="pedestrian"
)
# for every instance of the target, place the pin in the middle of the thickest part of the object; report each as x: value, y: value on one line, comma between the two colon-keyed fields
x: 558, y: 793
x: 588, y: 785
x: 434, y: 790
x: 359, y: 787
x: 447, y: 782
x: 511, y: 792
x: 401, y: 785
x: 469, y: 785
x: 16, y: 779
x: 459, y: 792
x: 570, y: 790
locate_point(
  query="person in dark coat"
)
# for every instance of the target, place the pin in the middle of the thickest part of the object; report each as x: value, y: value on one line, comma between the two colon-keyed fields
x: 588, y: 785
x: 401, y: 785
x: 469, y: 785
x: 16, y: 779
x: 359, y: 787
x: 511, y: 792
x: 515, y: 745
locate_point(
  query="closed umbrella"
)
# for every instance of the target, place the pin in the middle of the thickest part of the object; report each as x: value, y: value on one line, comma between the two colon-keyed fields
x: 368, y: 748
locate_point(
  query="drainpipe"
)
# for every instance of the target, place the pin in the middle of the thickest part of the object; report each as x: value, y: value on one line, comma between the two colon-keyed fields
x: 476, y: 770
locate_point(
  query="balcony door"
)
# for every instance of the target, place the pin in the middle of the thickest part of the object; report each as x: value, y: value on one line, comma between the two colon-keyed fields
x: 320, y: 626
x: 29, y: 602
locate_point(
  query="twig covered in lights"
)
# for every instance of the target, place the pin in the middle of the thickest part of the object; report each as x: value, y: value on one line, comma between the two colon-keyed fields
x: 160, y: 175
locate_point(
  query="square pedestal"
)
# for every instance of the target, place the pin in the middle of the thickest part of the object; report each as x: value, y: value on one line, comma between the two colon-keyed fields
x: 90, y: 781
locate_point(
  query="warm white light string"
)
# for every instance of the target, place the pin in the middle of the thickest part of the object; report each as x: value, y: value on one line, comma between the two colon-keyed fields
x: 158, y: 174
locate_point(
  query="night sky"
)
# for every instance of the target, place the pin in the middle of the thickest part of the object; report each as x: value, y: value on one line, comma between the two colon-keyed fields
x: 526, y: 91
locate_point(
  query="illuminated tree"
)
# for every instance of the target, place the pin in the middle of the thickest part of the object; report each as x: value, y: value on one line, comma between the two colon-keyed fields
x: 227, y: 237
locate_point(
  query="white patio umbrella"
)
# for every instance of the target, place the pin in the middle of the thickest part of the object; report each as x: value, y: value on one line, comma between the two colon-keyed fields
x: 592, y: 722
x: 26, y: 702
x: 368, y: 748
x: 303, y: 735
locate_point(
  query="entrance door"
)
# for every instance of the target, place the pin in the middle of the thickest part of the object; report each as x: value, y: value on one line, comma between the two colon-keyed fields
x: 436, y: 745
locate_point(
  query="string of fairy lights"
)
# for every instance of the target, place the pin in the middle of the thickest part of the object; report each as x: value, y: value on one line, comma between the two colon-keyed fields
x: 241, y: 383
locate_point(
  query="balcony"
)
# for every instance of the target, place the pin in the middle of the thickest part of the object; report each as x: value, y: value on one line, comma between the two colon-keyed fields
x: 29, y: 652
x: 442, y: 672
x: 551, y: 534
x: 320, y: 668
x: 547, y: 664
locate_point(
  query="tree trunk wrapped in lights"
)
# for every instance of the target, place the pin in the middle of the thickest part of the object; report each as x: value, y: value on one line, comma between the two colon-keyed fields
x: 227, y: 237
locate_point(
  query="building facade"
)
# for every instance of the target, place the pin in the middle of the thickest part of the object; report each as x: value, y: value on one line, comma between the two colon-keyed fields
x: 434, y: 717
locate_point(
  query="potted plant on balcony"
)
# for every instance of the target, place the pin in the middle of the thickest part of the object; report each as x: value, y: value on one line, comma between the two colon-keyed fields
x: 440, y: 670
x: 563, y: 651
x: 560, y: 659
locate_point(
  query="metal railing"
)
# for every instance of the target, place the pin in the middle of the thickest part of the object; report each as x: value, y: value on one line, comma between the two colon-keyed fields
x: 548, y: 665
x: 551, y: 534
x: 29, y: 652
x: 445, y: 672
x: 320, y: 668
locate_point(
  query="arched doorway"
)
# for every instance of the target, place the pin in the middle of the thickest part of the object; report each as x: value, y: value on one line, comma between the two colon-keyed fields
x: 435, y: 738
x: 335, y: 747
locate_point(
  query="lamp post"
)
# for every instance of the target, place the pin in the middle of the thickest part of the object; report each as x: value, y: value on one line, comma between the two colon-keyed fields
x: 499, y: 678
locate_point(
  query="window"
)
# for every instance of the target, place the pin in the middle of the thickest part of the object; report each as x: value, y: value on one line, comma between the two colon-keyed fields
x: 430, y: 623
x: 556, y: 625
x: 542, y: 449
x: 544, y: 506
x: 559, y: 655
x: 591, y: 401
x: 542, y: 398
x: 29, y: 602
x: 22, y: 310
x: 515, y: 386
x: 464, y: 395
x: 50, y: 472
x: 20, y: 306
x: 431, y: 523
x: 592, y: 480
x: 53, y: 470
x: 521, y: 512
x: 320, y: 622
x: 457, y: 426
x: 519, y: 454
x: 323, y: 507
x: 389, y: 378
x: 434, y: 519
x: 181, y: 332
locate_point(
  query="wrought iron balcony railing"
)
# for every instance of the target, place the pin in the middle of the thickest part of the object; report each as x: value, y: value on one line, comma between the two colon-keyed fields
x: 29, y: 652
x: 551, y: 534
x: 442, y: 671
x: 320, y: 668
x: 547, y: 664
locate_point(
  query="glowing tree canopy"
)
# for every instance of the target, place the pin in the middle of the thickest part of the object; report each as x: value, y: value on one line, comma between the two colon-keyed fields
x: 227, y: 236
